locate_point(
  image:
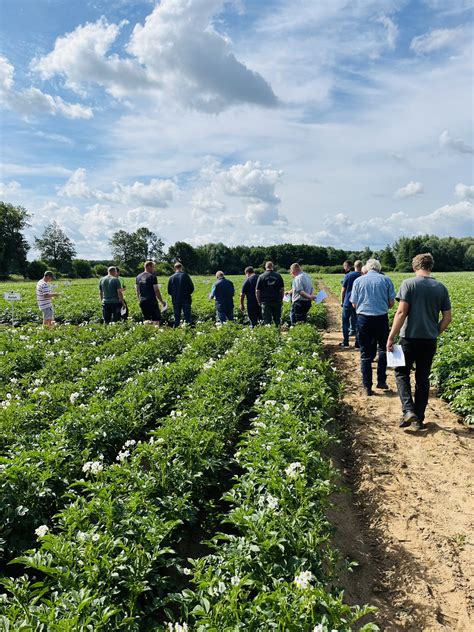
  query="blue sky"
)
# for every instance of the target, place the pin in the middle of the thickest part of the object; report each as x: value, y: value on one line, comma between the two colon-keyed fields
x: 333, y: 122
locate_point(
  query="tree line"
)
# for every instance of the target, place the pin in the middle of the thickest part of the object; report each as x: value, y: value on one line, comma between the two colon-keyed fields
x: 130, y: 249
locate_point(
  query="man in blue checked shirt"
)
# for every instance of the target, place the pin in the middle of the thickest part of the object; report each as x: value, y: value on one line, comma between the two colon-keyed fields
x: 373, y: 294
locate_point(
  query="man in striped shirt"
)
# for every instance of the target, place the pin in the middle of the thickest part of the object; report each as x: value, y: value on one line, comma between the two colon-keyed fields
x: 44, y: 296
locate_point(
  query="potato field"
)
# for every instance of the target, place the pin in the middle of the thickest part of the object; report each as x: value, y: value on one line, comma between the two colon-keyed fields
x: 177, y: 479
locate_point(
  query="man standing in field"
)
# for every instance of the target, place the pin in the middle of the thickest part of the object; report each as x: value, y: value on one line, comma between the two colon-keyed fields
x: 421, y: 299
x: 270, y: 290
x: 349, y: 316
x: 44, y: 296
x: 302, y: 294
x: 180, y: 288
x: 148, y: 294
x: 223, y: 292
x: 254, y: 310
x: 372, y: 296
x: 111, y: 296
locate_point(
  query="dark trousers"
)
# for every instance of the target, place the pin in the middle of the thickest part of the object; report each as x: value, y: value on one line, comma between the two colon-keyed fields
x: 111, y: 312
x: 255, y: 315
x: 349, y: 322
x: 299, y: 312
x: 181, y: 306
x: 271, y: 312
x: 373, y: 329
x: 225, y: 312
x: 418, y: 351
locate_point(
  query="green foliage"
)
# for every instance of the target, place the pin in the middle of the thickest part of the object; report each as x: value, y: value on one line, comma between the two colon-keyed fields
x: 13, y: 246
x: 81, y: 269
x: 35, y: 269
x: 56, y: 248
x: 131, y: 249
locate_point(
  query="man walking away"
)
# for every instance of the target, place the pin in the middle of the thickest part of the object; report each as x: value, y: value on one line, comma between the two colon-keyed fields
x: 111, y: 296
x: 180, y: 288
x: 148, y: 293
x: 349, y: 316
x: 223, y: 293
x: 372, y: 296
x: 254, y: 310
x: 270, y: 290
x: 44, y: 296
x: 302, y: 294
x: 421, y: 299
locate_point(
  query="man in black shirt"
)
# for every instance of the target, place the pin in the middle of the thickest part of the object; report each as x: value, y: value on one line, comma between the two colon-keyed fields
x: 269, y: 291
x: 254, y: 310
x: 148, y: 291
x: 180, y: 288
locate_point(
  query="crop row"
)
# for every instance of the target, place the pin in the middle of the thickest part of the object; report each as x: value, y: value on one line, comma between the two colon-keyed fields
x: 36, y: 475
x: 109, y: 561
x: 272, y: 567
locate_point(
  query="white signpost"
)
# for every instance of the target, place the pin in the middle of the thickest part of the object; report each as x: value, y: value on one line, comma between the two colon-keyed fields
x: 11, y: 297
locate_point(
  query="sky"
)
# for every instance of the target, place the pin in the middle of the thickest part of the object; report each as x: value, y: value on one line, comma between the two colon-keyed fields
x: 332, y: 122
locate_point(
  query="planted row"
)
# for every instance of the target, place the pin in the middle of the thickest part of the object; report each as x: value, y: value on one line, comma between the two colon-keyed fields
x: 111, y: 561
x: 272, y: 568
x: 35, y: 478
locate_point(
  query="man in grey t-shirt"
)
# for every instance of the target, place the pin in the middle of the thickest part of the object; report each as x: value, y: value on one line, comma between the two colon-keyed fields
x: 421, y: 298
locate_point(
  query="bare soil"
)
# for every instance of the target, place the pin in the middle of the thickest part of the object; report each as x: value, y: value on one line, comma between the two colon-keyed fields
x: 408, y: 518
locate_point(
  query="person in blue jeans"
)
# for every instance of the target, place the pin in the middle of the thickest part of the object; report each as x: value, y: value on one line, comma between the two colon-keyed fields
x: 373, y: 294
x: 349, y: 316
x: 223, y: 293
x: 180, y: 288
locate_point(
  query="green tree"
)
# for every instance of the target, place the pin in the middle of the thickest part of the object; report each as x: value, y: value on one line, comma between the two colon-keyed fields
x: 13, y: 246
x: 56, y: 248
x: 132, y: 249
x: 186, y: 254
x: 82, y: 268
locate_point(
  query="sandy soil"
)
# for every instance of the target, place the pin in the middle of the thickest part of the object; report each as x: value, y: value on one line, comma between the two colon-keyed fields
x: 408, y: 519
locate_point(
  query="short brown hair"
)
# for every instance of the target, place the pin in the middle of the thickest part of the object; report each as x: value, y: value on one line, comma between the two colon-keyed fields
x: 269, y: 265
x: 348, y: 262
x: 249, y: 270
x: 149, y: 264
x: 295, y: 266
x: 424, y: 261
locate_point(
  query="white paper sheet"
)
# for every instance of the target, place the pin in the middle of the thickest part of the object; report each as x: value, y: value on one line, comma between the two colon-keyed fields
x: 320, y: 296
x: 395, y: 357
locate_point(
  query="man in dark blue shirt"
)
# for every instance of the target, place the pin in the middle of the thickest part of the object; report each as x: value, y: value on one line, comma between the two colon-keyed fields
x: 254, y: 310
x: 270, y: 290
x: 148, y: 293
x: 180, y: 288
x: 223, y: 293
x: 349, y: 316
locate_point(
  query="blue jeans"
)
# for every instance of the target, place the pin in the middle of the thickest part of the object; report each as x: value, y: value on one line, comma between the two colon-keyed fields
x: 373, y: 329
x: 185, y: 307
x: 349, y: 322
x: 225, y: 312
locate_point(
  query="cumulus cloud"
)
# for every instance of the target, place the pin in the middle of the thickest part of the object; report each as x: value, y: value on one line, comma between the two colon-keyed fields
x: 9, y: 188
x: 31, y: 101
x: 446, y: 141
x: 177, y: 53
x: 450, y: 220
x: 409, y: 190
x: 157, y: 193
x: 249, y: 182
x: 435, y: 40
x: 464, y: 191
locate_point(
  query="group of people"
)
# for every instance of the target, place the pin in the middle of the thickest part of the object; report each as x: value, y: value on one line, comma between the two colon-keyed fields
x: 264, y: 294
x: 366, y: 297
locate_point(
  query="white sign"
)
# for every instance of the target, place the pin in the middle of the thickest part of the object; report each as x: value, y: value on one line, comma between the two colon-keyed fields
x: 396, y: 357
x: 12, y: 296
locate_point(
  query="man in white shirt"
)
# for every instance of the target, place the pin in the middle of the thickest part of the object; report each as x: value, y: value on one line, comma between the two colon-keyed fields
x: 44, y: 296
x: 302, y: 294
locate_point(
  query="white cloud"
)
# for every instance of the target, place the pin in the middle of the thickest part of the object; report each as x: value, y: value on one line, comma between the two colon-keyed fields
x: 177, y: 53
x: 31, y: 101
x: 464, y: 191
x: 13, y: 169
x: 409, y: 190
x: 9, y: 188
x: 435, y: 40
x: 391, y: 28
x: 157, y: 193
x: 446, y: 141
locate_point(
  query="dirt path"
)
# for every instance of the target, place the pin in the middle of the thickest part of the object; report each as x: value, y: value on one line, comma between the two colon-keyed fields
x: 409, y: 519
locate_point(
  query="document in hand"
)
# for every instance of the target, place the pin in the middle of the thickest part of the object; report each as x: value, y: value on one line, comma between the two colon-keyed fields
x: 395, y: 357
x: 287, y: 298
x: 320, y: 296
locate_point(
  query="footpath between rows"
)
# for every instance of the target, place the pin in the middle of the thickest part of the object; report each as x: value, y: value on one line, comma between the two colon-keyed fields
x: 408, y: 519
